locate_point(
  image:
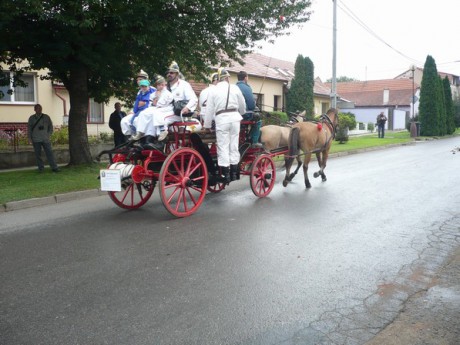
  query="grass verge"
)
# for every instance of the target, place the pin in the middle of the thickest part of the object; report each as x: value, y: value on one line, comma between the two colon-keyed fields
x: 27, y: 184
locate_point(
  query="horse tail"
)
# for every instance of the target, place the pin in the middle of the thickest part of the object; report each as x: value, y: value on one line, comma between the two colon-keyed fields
x: 294, y: 142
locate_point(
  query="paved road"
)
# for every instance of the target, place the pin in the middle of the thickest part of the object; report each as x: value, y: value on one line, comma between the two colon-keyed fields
x: 330, y: 265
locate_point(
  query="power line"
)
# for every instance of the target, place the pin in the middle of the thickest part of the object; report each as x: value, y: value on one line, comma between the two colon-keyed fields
x: 356, y: 19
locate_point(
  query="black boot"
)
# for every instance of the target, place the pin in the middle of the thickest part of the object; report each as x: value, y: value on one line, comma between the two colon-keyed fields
x: 234, y: 172
x: 225, y: 174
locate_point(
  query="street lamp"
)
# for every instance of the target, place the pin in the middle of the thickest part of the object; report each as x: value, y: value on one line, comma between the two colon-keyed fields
x: 412, y: 68
x: 413, y: 125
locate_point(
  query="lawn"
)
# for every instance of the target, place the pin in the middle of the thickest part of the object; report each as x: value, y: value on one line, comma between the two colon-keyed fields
x: 26, y: 184
x: 371, y: 140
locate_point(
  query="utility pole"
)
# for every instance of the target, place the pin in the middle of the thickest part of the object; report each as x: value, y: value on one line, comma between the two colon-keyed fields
x: 334, y: 56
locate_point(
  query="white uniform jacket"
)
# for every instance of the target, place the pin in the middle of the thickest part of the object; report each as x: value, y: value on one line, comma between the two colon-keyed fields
x: 182, y: 90
x: 217, y: 100
x: 203, y: 100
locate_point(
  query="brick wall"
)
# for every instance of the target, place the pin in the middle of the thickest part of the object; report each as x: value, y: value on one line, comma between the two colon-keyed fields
x: 14, y: 125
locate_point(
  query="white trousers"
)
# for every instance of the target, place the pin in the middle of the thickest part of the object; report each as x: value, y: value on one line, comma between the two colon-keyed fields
x: 227, y: 135
x: 125, y: 124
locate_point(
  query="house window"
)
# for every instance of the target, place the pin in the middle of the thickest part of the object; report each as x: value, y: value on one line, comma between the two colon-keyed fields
x: 20, y: 95
x: 259, y: 100
x: 95, y: 112
x: 324, y: 107
x: 276, y: 103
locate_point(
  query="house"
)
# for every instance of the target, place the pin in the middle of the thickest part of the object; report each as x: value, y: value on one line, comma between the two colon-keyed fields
x: 269, y: 78
x: 392, y: 96
x: 454, y: 80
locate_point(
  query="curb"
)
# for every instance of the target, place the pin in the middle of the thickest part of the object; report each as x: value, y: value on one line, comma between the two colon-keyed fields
x: 48, y: 200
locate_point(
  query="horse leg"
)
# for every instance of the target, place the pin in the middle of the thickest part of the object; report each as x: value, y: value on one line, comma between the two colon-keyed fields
x: 305, y: 170
x: 299, y: 164
x: 324, y: 155
x: 288, y: 162
x: 319, y: 172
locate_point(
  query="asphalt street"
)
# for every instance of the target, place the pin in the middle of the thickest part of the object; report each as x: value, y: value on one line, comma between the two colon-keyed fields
x: 335, y: 264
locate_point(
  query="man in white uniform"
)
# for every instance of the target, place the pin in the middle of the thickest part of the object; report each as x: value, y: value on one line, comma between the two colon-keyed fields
x: 182, y: 92
x: 225, y: 106
x: 203, y: 99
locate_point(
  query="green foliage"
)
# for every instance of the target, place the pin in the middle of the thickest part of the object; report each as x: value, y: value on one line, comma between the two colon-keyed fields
x: 300, y: 96
x: 347, y: 121
x: 457, y: 113
x: 370, y: 126
x: 274, y: 118
x: 96, y: 47
x: 429, y: 107
x: 60, y: 136
x: 342, y: 79
x: 106, y: 137
x: 449, y: 105
x: 442, y: 108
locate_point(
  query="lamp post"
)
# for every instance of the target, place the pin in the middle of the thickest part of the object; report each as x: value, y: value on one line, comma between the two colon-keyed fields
x: 413, y: 125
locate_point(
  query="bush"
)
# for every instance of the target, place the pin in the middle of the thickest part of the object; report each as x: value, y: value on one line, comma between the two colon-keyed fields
x: 370, y: 126
x: 106, y: 137
x: 274, y: 118
x: 60, y: 136
x: 346, y: 122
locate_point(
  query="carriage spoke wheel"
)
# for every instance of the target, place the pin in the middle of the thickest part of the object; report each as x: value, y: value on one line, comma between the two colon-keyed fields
x: 218, y: 187
x: 135, y: 192
x: 183, y: 182
x: 263, y: 176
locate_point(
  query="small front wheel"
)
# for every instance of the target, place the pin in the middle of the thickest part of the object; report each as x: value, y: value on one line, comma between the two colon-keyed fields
x: 183, y: 182
x: 263, y: 175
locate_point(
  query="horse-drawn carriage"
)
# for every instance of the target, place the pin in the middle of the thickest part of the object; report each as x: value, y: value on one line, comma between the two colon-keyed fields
x: 184, y: 171
x: 187, y: 166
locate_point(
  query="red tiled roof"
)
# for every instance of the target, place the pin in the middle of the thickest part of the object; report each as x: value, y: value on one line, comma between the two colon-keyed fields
x: 370, y: 93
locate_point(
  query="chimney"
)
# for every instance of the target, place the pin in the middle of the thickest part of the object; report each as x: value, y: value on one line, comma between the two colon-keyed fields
x: 386, y: 96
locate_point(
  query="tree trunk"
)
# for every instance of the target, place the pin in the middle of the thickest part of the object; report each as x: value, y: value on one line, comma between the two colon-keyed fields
x: 78, y: 133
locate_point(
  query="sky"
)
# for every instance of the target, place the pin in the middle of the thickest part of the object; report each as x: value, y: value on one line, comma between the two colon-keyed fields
x: 402, y: 33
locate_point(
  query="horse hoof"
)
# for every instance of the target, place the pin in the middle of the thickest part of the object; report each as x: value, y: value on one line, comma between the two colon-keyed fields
x: 324, y: 179
x: 316, y: 174
x: 285, y: 183
x: 307, y: 185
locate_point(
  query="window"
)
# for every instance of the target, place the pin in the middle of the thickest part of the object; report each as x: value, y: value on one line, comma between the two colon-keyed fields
x: 324, y: 107
x: 276, y: 102
x: 20, y: 95
x: 95, y: 113
x: 259, y: 100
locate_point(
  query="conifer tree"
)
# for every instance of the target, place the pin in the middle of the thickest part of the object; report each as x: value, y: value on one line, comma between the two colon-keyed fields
x: 442, y: 108
x: 429, y: 109
x: 300, y: 96
x: 309, y: 101
x: 450, y: 115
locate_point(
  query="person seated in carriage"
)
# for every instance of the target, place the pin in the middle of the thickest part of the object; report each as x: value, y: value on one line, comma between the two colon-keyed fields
x: 151, y: 121
x: 226, y: 106
x: 203, y: 99
x: 128, y: 123
x: 185, y: 99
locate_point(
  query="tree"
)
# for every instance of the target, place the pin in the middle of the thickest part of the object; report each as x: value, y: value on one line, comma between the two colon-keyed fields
x: 429, y: 108
x: 300, y: 96
x: 342, y: 79
x: 449, y: 105
x: 442, y: 108
x: 95, y: 47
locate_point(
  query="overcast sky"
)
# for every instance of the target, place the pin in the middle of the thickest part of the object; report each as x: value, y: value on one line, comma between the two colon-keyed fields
x: 407, y: 31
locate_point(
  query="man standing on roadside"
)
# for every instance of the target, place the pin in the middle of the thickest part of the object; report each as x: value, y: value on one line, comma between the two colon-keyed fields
x: 40, y: 129
x: 381, y: 120
x: 246, y: 90
x: 114, y: 124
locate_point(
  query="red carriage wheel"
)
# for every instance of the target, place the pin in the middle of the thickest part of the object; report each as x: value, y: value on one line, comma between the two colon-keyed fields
x: 263, y: 174
x: 136, y: 190
x: 183, y: 182
x: 218, y: 187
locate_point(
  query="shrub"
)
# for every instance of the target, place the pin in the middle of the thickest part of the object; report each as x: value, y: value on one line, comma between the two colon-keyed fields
x: 274, y: 118
x: 346, y: 122
x: 60, y: 136
x: 370, y: 126
x: 106, y: 137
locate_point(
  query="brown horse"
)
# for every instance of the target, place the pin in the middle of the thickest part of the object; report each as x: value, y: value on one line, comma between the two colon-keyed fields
x: 311, y: 137
x: 273, y: 136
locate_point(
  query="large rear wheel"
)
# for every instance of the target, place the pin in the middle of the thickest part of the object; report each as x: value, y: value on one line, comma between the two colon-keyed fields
x: 263, y: 175
x: 183, y: 182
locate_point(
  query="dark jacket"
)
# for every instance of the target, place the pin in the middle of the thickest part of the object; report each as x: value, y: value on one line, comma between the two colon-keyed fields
x: 247, y: 94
